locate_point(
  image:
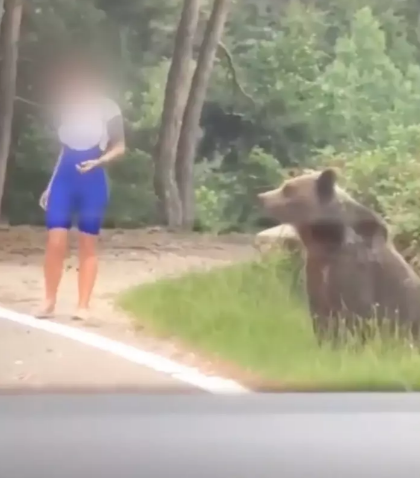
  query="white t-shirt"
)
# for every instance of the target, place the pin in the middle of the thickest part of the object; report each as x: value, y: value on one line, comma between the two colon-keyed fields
x: 84, y: 126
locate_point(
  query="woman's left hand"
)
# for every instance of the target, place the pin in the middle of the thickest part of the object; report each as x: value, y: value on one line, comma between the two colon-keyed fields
x: 86, y: 166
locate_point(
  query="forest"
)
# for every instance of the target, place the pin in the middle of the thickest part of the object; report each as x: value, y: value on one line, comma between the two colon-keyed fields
x: 293, y: 84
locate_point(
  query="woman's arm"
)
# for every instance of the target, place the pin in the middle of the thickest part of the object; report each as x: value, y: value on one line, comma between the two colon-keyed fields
x: 57, y: 164
x: 44, y: 196
x: 116, y: 145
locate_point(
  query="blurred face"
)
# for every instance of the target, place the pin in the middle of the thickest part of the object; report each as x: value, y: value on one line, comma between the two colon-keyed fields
x: 75, y: 82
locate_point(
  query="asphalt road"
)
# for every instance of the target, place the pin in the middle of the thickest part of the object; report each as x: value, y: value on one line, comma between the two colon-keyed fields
x: 34, y: 358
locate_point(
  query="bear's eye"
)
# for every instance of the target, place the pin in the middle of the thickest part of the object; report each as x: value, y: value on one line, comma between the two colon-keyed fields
x: 287, y: 190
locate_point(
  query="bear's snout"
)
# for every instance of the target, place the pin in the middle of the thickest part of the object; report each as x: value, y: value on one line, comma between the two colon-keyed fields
x: 260, y: 198
x: 270, y: 204
x: 267, y: 199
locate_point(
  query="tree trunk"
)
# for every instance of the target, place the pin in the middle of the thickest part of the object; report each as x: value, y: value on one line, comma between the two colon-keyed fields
x: 187, y: 144
x: 1, y: 10
x: 177, y: 87
x: 9, y: 46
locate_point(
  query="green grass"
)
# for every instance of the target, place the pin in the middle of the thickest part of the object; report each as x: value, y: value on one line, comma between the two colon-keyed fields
x: 248, y: 315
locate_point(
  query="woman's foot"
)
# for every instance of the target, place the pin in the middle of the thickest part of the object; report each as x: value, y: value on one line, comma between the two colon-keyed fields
x: 81, y: 314
x: 46, y: 311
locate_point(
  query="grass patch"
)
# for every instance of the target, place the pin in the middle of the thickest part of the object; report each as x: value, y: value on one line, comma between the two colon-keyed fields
x: 252, y: 315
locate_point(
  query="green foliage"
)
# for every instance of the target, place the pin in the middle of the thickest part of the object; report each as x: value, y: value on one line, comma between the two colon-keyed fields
x: 365, y: 100
x: 131, y: 191
x: 226, y: 197
x: 28, y: 173
x: 145, y: 104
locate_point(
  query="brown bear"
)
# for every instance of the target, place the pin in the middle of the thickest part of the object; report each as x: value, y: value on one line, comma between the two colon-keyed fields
x: 354, y: 275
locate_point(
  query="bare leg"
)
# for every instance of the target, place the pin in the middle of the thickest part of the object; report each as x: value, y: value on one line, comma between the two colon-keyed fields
x: 53, y: 268
x: 88, y: 269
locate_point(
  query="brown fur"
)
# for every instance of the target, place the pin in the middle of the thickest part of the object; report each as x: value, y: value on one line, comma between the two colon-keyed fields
x: 353, y: 272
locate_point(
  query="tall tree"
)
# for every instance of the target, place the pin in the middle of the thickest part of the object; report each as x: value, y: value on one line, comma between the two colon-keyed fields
x: 1, y: 10
x: 177, y: 87
x: 9, y: 44
x: 187, y: 144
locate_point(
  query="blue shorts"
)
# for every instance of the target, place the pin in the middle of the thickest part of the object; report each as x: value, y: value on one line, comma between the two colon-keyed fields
x: 84, y: 195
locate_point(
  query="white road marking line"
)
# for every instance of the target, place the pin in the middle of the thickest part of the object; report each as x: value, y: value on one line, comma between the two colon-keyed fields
x: 192, y: 376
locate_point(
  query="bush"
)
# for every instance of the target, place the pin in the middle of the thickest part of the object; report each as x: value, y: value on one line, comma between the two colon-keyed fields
x: 28, y: 173
x: 226, y: 197
x: 133, y: 202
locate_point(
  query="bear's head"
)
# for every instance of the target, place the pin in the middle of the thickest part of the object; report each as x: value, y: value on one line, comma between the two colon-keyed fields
x: 315, y: 200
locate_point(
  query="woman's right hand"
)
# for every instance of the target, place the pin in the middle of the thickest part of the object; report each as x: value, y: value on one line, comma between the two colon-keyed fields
x: 43, y: 200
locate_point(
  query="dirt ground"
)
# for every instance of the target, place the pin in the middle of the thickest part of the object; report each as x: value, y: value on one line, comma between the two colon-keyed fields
x: 127, y: 258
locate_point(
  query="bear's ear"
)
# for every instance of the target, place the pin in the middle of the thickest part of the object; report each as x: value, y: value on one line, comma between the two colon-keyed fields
x: 325, y: 185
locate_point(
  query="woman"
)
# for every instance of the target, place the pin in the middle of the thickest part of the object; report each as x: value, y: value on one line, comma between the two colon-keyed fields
x: 91, y: 134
